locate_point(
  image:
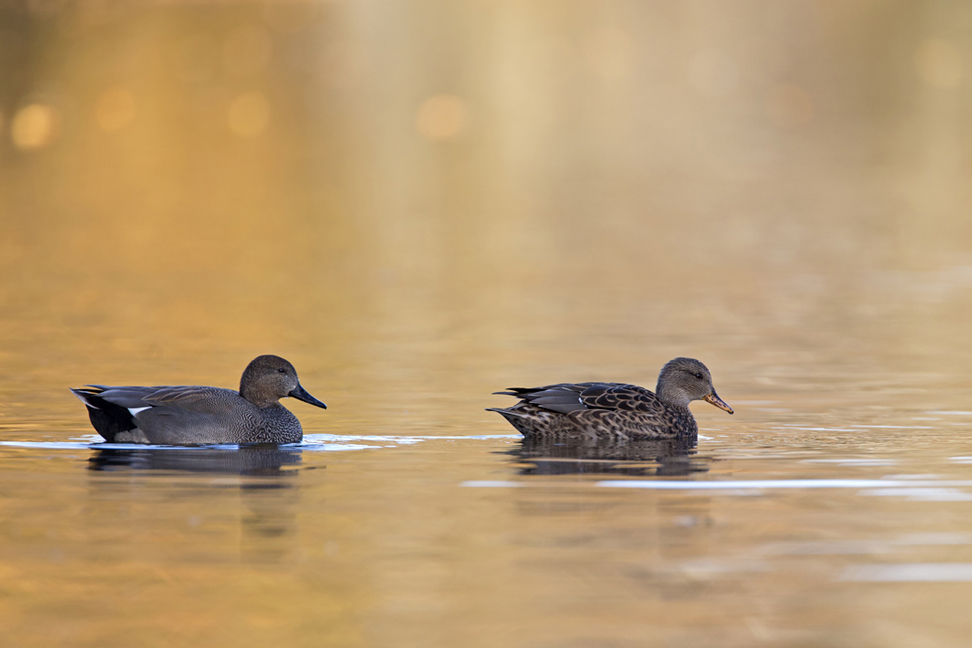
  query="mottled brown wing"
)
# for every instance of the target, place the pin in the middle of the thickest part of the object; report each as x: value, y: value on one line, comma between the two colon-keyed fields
x: 574, y: 397
x: 614, y: 396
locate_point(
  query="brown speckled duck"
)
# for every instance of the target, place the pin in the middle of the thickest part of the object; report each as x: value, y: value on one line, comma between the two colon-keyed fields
x: 615, y: 411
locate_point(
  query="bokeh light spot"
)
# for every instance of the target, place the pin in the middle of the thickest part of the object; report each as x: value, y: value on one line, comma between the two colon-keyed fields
x: 789, y: 105
x: 442, y: 117
x: 713, y: 72
x: 115, y: 109
x: 939, y: 63
x: 35, y: 126
x: 247, y: 50
x: 608, y: 53
x: 249, y: 114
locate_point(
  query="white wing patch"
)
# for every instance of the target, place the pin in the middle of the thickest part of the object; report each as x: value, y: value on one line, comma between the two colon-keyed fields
x: 136, y: 410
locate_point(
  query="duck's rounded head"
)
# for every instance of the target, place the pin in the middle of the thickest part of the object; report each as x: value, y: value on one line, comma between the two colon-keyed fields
x: 684, y: 380
x: 269, y: 378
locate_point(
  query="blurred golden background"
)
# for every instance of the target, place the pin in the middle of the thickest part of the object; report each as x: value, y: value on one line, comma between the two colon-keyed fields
x: 451, y: 196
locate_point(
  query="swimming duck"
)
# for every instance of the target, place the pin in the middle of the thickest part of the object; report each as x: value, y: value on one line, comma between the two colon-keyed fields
x: 615, y: 411
x: 195, y: 415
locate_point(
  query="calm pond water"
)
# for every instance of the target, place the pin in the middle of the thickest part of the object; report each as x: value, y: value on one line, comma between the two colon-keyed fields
x: 420, y: 203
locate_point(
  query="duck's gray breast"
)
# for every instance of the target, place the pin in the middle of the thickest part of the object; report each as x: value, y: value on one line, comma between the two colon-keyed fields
x: 275, y: 424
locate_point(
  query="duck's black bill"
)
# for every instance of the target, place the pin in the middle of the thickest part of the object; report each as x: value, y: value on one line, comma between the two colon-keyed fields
x: 714, y: 399
x: 301, y: 394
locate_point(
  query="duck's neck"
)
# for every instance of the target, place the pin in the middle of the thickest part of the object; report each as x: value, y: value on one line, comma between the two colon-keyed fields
x: 673, y: 396
x: 260, y: 400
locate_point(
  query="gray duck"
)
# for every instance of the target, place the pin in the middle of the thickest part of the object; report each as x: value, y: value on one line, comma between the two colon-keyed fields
x: 615, y: 411
x: 196, y: 415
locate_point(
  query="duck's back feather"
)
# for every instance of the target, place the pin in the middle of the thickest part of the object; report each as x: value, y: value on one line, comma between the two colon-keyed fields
x: 570, y: 397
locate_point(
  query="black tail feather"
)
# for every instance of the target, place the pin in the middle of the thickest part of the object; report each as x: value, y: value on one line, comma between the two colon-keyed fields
x: 107, y: 418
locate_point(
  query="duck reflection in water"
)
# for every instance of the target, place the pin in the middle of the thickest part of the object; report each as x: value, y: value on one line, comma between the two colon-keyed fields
x: 661, y: 458
x: 258, y: 460
x: 269, y: 491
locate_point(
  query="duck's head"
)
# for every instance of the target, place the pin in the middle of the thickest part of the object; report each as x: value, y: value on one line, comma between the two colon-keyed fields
x: 269, y: 378
x: 684, y: 380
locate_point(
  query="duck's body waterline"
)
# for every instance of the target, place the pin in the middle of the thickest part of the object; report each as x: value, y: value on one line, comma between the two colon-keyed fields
x: 615, y: 411
x: 191, y: 415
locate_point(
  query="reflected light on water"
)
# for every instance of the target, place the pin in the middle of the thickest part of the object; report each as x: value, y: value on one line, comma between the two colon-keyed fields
x: 909, y: 573
x: 35, y: 126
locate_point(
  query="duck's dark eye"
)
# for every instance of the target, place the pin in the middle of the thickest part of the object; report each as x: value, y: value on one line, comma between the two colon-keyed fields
x: 282, y: 370
x: 699, y: 376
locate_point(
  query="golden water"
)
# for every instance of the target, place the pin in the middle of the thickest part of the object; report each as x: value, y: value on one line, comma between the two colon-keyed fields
x: 422, y: 203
